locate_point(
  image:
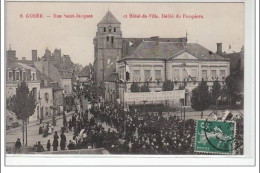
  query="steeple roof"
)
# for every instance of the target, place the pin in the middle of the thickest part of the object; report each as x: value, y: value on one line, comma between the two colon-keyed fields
x: 109, y: 18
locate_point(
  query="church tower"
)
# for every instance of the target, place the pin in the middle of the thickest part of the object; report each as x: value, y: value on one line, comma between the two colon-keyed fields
x: 108, y: 47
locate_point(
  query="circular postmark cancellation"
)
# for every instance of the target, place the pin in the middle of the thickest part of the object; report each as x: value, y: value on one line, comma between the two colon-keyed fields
x: 215, y: 137
x: 220, y: 136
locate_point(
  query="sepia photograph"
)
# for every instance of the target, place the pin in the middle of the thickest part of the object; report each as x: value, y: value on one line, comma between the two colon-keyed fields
x: 121, y: 78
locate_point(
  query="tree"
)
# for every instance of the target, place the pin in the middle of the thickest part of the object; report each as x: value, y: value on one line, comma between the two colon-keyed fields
x: 200, y: 99
x: 168, y: 86
x: 135, y: 87
x: 232, y: 87
x: 145, y: 88
x: 215, y: 92
x: 23, y: 104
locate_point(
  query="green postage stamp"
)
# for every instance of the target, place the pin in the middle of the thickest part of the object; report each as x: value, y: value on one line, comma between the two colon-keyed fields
x: 216, y: 137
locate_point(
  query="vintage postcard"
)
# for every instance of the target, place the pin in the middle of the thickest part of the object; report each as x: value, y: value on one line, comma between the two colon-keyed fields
x: 126, y: 79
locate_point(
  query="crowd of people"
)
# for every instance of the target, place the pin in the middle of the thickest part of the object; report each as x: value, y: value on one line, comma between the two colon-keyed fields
x: 127, y: 132
x: 146, y: 133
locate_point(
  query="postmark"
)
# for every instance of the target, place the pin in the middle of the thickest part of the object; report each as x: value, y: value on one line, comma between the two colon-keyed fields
x: 216, y: 137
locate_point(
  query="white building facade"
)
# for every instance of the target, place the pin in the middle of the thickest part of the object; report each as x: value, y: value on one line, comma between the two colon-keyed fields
x: 186, y: 64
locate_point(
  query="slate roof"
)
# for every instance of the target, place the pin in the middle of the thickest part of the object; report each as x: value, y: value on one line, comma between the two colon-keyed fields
x: 166, y: 50
x: 203, y: 53
x: 84, y: 72
x: 109, y: 18
x: 14, y: 65
x: 43, y: 77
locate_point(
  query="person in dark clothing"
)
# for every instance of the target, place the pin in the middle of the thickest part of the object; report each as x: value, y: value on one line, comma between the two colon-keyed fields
x: 71, y: 146
x: 39, y: 147
x: 40, y: 129
x: 49, y: 145
x: 70, y: 125
x: 62, y: 141
x: 64, y: 120
x: 18, y: 145
x: 55, y: 143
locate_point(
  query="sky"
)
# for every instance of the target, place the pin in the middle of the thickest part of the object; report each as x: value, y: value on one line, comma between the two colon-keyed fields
x: 222, y: 23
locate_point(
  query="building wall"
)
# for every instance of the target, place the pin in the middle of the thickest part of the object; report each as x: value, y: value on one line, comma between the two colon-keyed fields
x: 58, y: 100
x: 67, y: 86
x: 83, y: 78
x: 176, y: 70
x: 46, y: 96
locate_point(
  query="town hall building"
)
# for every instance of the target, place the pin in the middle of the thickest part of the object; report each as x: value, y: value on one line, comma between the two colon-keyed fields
x: 121, y: 61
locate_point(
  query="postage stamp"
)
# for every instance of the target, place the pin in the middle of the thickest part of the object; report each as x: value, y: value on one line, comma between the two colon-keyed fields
x: 216, y: 137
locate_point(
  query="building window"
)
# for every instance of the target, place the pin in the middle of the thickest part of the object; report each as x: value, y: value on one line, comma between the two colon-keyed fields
x: 213, y: 74
x: 107, y: 38
x: 194, y: 74
x: 46, y: 97
x: 24, y: 75
x: 112, y: 39
x: 10, y: 76
x: 158, y: 75
x: 176, y: 74
x: 223, y: 74
x: 121, y: 74
x: 114, y: 29
x: 136, y: 75
x: 33, y: 76
x: 34, y: 92
x: 17, y: 75
x: 147, y: 75
x: 105, y: 30
x: 204, y: 74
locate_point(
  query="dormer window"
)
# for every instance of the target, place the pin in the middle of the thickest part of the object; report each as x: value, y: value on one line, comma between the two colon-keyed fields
x: 105, y: 30
x: 110, y: 28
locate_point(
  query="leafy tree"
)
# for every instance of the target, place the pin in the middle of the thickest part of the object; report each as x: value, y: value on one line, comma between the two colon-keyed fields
x: 135, y: 87
x: 215, y: 92
x: 232, y: 87
x: 200, y: 99
x: 168, y: 85
x: 145, y: 88
x: 23, y: 104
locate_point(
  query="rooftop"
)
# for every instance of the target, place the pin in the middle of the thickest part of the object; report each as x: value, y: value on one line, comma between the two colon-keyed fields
x: 167, y: 49
x: 109, y: 18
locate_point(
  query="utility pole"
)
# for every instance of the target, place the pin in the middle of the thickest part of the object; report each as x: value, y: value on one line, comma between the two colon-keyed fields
x: 184, y: 119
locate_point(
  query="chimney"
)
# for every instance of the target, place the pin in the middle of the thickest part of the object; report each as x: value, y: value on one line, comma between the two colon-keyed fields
x: 219, y: 48
x: 23, y: 58
x: 34, y: 55
x: 155, y: 38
